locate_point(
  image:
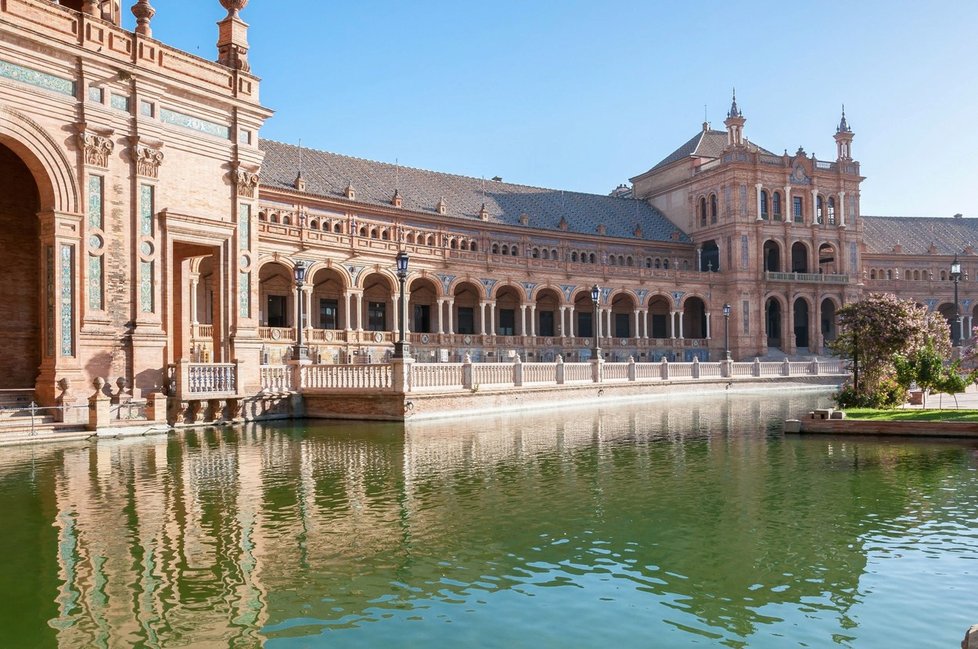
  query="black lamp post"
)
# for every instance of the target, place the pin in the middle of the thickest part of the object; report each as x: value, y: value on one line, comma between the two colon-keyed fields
x: 299, y: 352
x: 595, y: 294
x: 401, y: 347
x: 955, y: 276
x: 726, y: 332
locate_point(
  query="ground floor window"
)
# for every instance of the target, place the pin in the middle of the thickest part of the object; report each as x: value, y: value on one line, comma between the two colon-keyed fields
x: 329, y: 314
x: 277, y: 313
x: 466, y: 320
x: 376, y: 316
x: 422, y: 318
x: 585, y: 325
x: 547, y: 323
x: 507, y: 322
x: 621, y: 325
x: 660, y: 324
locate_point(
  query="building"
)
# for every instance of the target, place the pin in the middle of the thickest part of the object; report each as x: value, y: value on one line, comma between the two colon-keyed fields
x: 144, y: 222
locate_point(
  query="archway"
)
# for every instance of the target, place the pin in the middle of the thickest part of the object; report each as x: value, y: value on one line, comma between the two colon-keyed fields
x: 468, y: 312
x: 329, y: 306
x: 276, y: 296
x: 710, y: 257
x: 948, y: 311
x: 772, y: 322
x: 694, y: 318
x: 509, y: 320
x: 423, y: 314
x: 548, y: 306
x: 21, y: 270
x: 828, y: 326
x: 801, y: 311
x: 772, y: 256
x: 799, y: 257
x: 660, y: 317
x: 583, y: 319
x: 622, y: 316
x: 379, y: 309
x: 826, y: 260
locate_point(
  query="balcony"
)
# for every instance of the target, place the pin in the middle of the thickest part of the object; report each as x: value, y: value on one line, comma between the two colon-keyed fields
x: 807, y: 278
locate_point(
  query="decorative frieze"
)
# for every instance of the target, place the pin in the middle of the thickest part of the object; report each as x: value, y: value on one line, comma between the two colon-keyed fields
x: 247, y: 181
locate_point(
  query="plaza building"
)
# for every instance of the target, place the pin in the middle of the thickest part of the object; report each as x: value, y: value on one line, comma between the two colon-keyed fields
x: 144, y: 223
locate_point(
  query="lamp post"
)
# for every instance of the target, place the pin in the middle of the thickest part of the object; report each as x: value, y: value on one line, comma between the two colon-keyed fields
x: 595, y: 294
x: 299, y: 351
x: 726, y: 332
x: 401, y: 347
x: 955, y: 276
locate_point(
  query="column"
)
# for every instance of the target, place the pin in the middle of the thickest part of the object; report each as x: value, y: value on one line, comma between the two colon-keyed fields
x: 682, y: 334
x: 645, y: 324
x: 758, y: 188
x: 359, y: 300
x: 609, y: 331
x: 347, y: 311
x: 395, y: 322
x: 708, y: 325
x: 450, y: 303
x: 482, y: 318
x: 522, y: 319
x: 492, y: 318
x: 815, y: 207
x: 636, y: 333
x: 441, y: 315
x: 573, y: 323
x: 841, y: 208
x: 194, y: 281
x: 786, y: 208
x: 672, y: 324
x: 307, y: 307
x: 533, y: 320
x: 562, y: 329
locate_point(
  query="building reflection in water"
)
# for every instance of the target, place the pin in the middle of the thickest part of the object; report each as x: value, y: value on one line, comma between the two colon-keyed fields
x: 229, y: 537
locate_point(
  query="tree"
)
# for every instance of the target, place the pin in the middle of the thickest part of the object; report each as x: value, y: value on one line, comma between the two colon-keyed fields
x: 873, y: 331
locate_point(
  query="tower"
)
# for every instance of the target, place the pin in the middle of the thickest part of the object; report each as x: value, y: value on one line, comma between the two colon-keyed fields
x: 735, y: 123
x: 843, y: 138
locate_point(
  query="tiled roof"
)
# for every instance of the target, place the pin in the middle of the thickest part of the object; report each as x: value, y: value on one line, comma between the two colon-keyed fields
x: 915, y: 234
x: 708, y: 143
x: 328, y: 174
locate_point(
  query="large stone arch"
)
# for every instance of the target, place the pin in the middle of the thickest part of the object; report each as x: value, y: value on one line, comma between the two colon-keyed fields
x: 47, y: 161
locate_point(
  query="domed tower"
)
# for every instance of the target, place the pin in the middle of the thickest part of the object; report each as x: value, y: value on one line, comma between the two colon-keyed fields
x: 843, y: 138
x: 735, y: 123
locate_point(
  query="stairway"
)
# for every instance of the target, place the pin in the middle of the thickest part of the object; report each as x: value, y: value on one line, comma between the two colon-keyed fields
x: 16, y: 413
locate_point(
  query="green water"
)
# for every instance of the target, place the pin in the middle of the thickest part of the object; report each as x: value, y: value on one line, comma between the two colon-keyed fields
x: 656, y: 525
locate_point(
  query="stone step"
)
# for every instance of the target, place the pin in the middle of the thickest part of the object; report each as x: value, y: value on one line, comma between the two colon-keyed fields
x: 12, y: 424
x: 16, y: 398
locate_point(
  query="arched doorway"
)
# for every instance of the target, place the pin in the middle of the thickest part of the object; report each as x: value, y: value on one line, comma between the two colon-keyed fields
x: 583, y: 319
x: 826, y: 260
x: 772, y: 322
x: 801, y: 311
x: 799, y: 258
x: 509, y: 320
x: 21, y: 268
x: 710, y: 257
x: 468, y: 311
x: 948, y: 311
x: 772, y: 256
x: 548, y: 306
x: 660, y: 317
x: 423, y: 312
x: 622, y: 316
x: 828, y: 325
x: 694, y: 318
x: 329, y: 306
x: 379, y: 309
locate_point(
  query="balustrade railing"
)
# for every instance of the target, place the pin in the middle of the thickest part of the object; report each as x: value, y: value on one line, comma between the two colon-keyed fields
x: 276, y: 378
x: 807, y: 278
x: 539, y: 372
x: 436, y: 375
x: 203, y: 380
x: 616, y: 371
x: 492, y: 373
x: 578, y: 372
x: 347, y: 377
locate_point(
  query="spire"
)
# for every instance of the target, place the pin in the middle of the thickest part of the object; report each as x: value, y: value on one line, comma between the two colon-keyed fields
x: 843, y: 124
x: 734, y: 111
x: 735, y: 123
x: 300, y: 182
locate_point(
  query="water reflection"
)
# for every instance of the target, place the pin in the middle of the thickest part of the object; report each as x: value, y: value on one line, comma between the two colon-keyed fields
x: 690, y: 523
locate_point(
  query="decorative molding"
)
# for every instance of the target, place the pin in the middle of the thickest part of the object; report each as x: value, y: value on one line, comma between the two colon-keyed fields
x: 148, y: 157
x: 97, y: 145
x: 168, y: 116
x: 247, y: 180
x: 37, y: 78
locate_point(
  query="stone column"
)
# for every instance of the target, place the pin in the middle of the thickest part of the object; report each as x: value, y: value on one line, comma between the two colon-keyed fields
x: 672, y: 325
x: 523, y: 320
x: 563, y: 329
x: 841, y: 207
x: 441, y: 315
x: 359, y: 301
x: 636, y: 333
x: 815, y: 207
x: 482, y: 318
x: 645, y: 324
x: 708, y: 325
x: 307, y: 308
x: 533, y: 320
x: 758, y: 187
x: 492, y: 318
x: 788, y: 216
x: 194, y: 282
x: 682, y: 334
x: 347, y: 311
x: 450, y: 304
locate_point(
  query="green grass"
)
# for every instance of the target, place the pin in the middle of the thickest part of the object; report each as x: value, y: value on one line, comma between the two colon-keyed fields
x: 899, y: 414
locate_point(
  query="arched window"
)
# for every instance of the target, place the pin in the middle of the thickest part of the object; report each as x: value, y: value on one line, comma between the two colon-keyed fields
x: 819, y: 209
x: 703, y: 211
x: 611, y: 260
x: 776, y: 205
x: 273, y: 218
x: 685, y: 264
x: 385, y: 235
x: 574, y: 256
x: 764, y: 211
x: 262, y: 216
x: 648, y: 262
x: 535, y: 253
x: 658, y: 263
x: 629, y: 261
x: 286, y: 220
x: 872, y: 274
x: 363, y: 232
x: 943, y: 275
x: 338, y: 228
x: 831, y: 210
x: 515, y: 251
x: 889, y: 274
x: 713, y: 208
x: 592, y: 258
x: 453, y: 244
x: 495, y: 248
x: 665, y: 264
x: 474, y: 247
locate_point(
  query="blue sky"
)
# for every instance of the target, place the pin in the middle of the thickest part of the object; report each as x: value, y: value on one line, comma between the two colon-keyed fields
x: 581, y: 95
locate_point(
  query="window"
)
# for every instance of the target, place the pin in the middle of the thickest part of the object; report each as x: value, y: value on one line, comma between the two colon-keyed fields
x: 585, y: 324
x: 831, y: 210
x: 507, y: 322
x: 797, y: 209
x: 621, y: 325
x: 276, y: 314
x: 329, y: 314
x: 764, y: 212
x: 819, y: 210
x: 659, y: 329
x: 703, y: 211
x: 547, y: 323
x: 376, y: 316
x: 466, y: 320
x: 422, y: 318
x: 776, y: 205
x: 713, y: 208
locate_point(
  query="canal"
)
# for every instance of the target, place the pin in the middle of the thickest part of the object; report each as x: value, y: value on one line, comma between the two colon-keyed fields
x: 664, y: 524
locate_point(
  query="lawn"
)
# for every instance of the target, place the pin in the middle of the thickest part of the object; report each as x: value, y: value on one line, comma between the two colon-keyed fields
x: 900, y: 414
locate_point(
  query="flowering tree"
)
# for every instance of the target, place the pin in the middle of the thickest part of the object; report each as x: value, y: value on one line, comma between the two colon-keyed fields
x: 876, y: 329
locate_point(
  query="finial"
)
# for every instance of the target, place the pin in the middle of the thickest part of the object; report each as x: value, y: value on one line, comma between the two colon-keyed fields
x: 143, y: 13
x: 234, y: 6
x: 300, y: 182
x: 843, y: 124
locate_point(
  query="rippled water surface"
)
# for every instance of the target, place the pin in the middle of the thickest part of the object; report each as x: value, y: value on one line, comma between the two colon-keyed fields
x: 655, y: 525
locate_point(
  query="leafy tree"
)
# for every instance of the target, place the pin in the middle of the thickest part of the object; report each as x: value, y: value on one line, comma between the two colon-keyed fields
x: 873, y: 331
x: 925, y: 367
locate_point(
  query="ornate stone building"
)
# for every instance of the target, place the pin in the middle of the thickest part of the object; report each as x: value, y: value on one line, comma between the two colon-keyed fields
x: 144, y: 222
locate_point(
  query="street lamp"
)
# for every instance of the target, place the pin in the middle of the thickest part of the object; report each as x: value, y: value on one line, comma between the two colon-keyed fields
x: 299, y: 351
x: 955, y: 276
x: 595, y: 294
x: 401, y: 347
x: 726, y: 332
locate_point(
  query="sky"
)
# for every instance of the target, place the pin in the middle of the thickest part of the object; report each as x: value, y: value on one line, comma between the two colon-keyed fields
x: 582, y: 95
